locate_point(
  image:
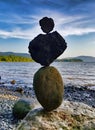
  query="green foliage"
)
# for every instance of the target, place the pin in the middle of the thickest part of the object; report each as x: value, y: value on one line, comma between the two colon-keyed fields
x: 13, y: 58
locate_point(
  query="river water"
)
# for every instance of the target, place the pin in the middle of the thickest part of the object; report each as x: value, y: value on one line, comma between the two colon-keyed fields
x: 74, y: 73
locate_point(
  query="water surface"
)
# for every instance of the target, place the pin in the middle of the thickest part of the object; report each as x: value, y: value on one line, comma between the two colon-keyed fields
x: 75, y: 73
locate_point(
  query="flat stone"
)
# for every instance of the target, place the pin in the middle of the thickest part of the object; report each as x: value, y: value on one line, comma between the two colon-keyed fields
x: 45, y: 48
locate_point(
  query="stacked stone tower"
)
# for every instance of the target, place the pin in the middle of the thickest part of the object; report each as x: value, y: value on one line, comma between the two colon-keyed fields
x: 44, y: 49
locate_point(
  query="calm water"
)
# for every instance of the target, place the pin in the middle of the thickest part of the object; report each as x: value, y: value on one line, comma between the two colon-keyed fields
x: 76, y: 73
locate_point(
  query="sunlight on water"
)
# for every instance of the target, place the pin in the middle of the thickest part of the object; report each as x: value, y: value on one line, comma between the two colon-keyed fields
x: 75, y: 73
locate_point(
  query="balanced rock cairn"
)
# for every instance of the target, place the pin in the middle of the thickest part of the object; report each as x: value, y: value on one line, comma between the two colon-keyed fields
x: 44, y: 49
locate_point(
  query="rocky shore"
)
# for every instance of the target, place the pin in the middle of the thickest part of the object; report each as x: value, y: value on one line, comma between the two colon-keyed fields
x: 8, y: 96
x: 69, y: 116
x: 74, y: 97
x: 7, y: 121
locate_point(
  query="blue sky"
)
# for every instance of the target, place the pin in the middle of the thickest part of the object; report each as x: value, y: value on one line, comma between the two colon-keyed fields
x: 74, y: 20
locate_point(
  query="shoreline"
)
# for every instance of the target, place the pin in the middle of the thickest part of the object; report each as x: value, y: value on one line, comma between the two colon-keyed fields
x: 71, y: 93
x: 8, y: 97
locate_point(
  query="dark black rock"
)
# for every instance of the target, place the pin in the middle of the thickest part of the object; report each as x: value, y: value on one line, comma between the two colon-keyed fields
x: 44, y: 49
x: 47, y: 24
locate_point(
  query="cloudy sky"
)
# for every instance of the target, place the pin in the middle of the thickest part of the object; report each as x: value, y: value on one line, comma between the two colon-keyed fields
x: 74, y: 20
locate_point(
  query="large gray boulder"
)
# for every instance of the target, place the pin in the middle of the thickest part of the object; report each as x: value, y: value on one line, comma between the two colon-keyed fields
x: 45, y: 48
x: 48, y: 87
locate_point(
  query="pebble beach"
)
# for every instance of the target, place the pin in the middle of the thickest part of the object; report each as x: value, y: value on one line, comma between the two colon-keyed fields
x: 8, y: 97
x: 7, y: 100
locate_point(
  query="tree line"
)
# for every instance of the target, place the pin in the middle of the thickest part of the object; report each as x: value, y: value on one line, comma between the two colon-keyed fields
x: 13, y: 58
x: 73, y: 60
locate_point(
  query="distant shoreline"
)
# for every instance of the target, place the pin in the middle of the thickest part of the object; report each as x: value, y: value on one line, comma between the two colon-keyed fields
x: 29, y: 59
x: 14, y: 58
x: 70, y: 60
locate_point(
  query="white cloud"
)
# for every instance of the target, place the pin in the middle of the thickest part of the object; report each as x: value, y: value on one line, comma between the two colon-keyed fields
x: 75, y: 31
x: 4, y: 34
x: 16, y: 19
x: 19, y: 33
x: 31, y: 33
x: 65, y: 25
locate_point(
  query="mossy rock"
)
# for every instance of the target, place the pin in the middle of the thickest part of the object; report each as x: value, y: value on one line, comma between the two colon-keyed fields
x: 48, y: 87
x: 21, y: 108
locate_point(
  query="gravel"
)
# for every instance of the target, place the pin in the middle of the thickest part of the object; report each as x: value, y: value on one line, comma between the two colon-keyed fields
x: 8, y: 97
x: 7, y: 121
x: 80, y: 94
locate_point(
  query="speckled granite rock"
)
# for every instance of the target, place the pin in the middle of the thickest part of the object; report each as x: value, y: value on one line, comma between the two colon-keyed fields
x: 70, y: 116
x: 48, y: 86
